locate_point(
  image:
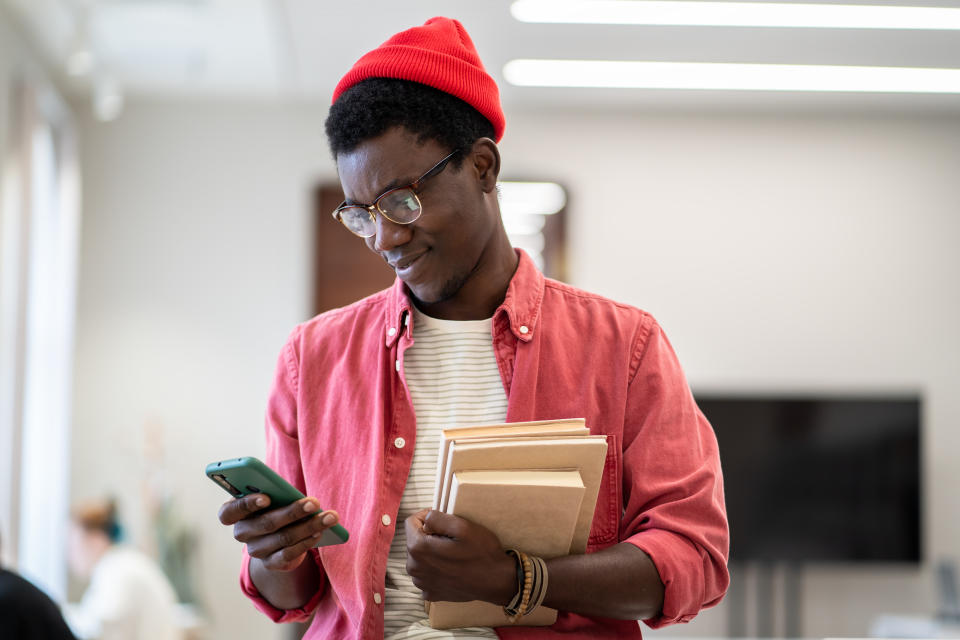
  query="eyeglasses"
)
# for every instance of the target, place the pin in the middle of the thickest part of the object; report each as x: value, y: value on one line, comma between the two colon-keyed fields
x: 400, y: 205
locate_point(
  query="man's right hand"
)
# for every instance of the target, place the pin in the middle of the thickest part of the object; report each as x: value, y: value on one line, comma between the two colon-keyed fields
x: 277, y: 538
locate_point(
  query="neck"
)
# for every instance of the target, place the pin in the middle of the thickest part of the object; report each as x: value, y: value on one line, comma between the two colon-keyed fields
x: 100, y: 548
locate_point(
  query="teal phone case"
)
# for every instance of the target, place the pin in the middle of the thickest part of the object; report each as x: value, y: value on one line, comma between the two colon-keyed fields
x: 242, y: 476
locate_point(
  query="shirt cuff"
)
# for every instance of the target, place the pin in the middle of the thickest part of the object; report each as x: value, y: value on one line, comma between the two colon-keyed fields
x: 281, y: 615
x: 680, y: 566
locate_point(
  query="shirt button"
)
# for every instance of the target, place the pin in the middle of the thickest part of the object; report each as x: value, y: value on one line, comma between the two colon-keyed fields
x: 377, y: 598
x: 392, y: 331
x: 399, y: 443
x: 397, y: 366
x: 385, y: 519
x: 524, y: 329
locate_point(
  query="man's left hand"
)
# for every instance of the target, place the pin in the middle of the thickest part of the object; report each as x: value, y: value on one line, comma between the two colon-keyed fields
x: 455, y: 560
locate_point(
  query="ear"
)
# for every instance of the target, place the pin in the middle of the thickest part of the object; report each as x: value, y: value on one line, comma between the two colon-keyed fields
x: 486, y: 163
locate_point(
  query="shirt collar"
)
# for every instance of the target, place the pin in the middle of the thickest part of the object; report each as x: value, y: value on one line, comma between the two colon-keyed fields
x: 524, y: 297
x: 521, y: 304
x: 399, y: 311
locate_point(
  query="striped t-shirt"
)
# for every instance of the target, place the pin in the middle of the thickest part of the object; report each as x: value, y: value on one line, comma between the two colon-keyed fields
x: 454, y: 381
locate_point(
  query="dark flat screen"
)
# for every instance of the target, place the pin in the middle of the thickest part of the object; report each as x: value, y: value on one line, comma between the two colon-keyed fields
x: 820, y: 479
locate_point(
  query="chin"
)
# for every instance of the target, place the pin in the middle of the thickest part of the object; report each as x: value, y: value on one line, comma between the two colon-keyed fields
x: 425, y: 296
x: 434, y: 294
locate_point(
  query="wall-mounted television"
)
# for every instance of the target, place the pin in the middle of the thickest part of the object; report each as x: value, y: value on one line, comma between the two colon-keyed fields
x: 820, y: 479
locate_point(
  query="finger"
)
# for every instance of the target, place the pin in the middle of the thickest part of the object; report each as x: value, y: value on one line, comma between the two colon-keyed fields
x: 444, y: 524
x: 274, y: 520
x: 289, y: 536
x: 233, y: 511
x: 427, y: 547
x: 414, y: 528
x: 424, y: 589
x: 420, y: 515
x: 290, y: 557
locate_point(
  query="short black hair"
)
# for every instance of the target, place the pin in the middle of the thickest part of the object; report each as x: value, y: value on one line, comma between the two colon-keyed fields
x: 374, y: 105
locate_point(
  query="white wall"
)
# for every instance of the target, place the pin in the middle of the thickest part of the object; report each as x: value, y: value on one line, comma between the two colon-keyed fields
x: 803, y: 252
x: 195, y: 267
x: 797, y: 253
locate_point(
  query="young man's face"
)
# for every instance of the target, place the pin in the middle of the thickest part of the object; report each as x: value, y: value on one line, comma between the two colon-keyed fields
x: 441, y: 251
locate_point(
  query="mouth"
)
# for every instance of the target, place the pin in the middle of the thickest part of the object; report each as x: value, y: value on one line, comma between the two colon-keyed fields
x: 406, y: 264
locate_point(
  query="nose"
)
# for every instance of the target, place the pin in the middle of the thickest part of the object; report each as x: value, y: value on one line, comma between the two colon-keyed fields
x: 390, y: 234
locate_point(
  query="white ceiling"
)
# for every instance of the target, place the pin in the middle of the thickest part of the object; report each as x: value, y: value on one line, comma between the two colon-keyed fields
x: 298, y: 49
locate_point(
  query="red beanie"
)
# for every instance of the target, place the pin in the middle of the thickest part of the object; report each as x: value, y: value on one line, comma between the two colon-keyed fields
x: 439, y: 54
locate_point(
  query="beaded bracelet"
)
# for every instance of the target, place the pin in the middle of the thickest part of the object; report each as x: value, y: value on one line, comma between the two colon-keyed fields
x: 540, y: 584
x: 515, y: 610
x: 531, y: 585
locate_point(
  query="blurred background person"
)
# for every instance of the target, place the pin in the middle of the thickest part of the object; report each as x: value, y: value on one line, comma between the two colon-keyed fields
x: 26, y: 612
x: 128, y: 597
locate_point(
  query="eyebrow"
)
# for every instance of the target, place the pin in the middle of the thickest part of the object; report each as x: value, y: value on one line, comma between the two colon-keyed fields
x: 393, y: 184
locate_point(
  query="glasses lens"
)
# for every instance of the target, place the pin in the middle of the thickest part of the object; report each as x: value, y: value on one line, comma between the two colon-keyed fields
x: 359, y: 221
x: 401, y: 205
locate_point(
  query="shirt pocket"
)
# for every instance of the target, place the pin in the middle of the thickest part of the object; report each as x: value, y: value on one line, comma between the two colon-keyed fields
x: 606, y: 515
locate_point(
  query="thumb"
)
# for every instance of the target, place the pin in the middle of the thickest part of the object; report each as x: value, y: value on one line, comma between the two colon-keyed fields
x: 442, y: 524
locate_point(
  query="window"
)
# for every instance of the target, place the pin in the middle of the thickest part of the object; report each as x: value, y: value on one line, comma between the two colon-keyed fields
x: 39, y: 230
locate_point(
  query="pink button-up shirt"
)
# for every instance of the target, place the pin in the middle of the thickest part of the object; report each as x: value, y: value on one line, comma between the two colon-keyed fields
x: 339, y: 406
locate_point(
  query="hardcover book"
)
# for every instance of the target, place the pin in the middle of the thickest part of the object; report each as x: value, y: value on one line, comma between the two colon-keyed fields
x: 534, y: 485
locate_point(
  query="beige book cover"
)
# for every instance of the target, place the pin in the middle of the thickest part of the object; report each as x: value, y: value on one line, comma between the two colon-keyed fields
x: 586, y: 454
x: 561, y: 427
x: 451, y: 615
x: 442, y: 491
x: 532, y: 510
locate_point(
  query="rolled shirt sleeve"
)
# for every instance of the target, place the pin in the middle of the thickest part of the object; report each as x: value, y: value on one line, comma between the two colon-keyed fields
x: 262, y: 604
x: 283, y: 456
x: 673, y: 486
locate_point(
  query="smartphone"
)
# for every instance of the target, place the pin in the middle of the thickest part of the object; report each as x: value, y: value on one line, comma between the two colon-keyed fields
x: 243, y: 476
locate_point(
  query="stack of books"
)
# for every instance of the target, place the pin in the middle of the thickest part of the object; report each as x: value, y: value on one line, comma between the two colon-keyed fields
x: 534, y: 484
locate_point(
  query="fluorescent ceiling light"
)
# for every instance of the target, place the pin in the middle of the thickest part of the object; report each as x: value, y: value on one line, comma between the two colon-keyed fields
x: 531, y: 198
x: 711, y: 75
x: 518, y: 225
x: 80, y: 63
x: 736, y: 14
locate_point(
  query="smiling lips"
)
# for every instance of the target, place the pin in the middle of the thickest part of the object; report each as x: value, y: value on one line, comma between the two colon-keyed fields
x: 405, y: 262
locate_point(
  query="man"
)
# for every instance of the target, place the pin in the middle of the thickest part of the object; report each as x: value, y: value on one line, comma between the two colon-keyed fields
x: 470, y: 333
x: 27, y: 613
